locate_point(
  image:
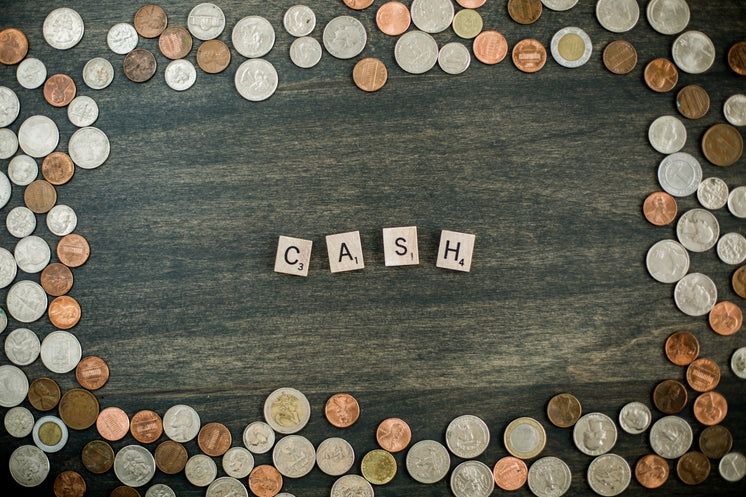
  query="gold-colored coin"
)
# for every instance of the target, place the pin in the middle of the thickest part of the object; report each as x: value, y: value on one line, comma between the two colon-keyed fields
x: 378, y: 467
x: 571, y: 47
x: 285, y: 410
x: 50, y: 434
x: 467, y: 23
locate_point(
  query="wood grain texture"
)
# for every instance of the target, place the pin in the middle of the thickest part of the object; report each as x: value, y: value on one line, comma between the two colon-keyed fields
x: 548, y: 170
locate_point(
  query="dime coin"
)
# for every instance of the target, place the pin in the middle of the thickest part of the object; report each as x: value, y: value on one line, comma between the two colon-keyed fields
x: 432, y: 16
x: 393, y: 18
x: 732, y: 467
x: 60, y: 351
x: 609, y: 475
x: 38, y: 136
x: 667, y: 261
x: 175, y: 42
x: 467, y: 436
x: 342, y: 410
x: 258, y: 437
x: 98, y: 72
x: 344, y: 37
x: 92, y: 373
x: 682, y: 348
x: 97, y: 456
x: 635, y: 418
x: 29, y: 466
x: 731, y: 248
x: 63, y: 28
x: 334, y: 456
x: 571, y: 47
x: 454, y: 58
x: 659, y: 208
x: 78, y: 408
x: 617, y: 16
x: 703, y: 375
x: 490, y: 47
x: 8, y: 271
x: 15, y: 386
x: 254, y: 36
x: 351, y: 485
x: 378, y: 467
x: 226, y: 486
x: 89, y: 147
x: 40, y: 196
x: 44, y: 394
x: 305, y: 52
x: 563, y: 410
x: 712, y: 193
x: 427, y: 461
x: 558, y: 5
x: 214, y: 439
x: 213, y: 56
x: 134, y: 465
x: 668, y: 17
x: 369, y: 74
x: 180, y: 75
x: 22, y: 347
x: 181, y: 423
x: 698, y: 230
x: 146, y: 426
x: 722, y: 144
x: 594, y: 434
x: 467, y: 23
x: 524, y: 11
x: 671, y: 437
x: 715, y: 441
x: 206, y: 21
x: 22, y: 170
x: 472, y: 479
x: 393, y: 435
x: 61, y: 220
x: 737, y: 58
x: 679, y: 174
x: 725, y: 318
x: 161, y: 490
x: 82, y: 111
x: 31, y: 73
x: 59, y: 90
x: 171, y: 457
x: 287, y: 410
x: 416, y: 52
x: 549, y: 477
x: 738, y: 362
x: 112, y: 424
x: 294, y: 456
x: 13, y: 46
x: 693, y: 102
x: 139, y: 65
x: 150, y: 21
x: 256, y: 80
x: 651, y: 471
x: 10, y: 106
x: 735, y: 110
x: 661, y: 75
x: 122, y: 38
x: 266, y: 481
x: 510, y: 473
x: 667, y: 134
x: 669, y: 396
x: 8, y: 143
x: 524, y: 438
x: 20, y: 222
x: 710, y: 408
x: 238, y: 462
x: 529, y: 55
x: 299, y: 20
x: 26, y: 301
x: 737, y: 202
x: 695, y: 294
x: 693, y: 468
x: 693, y: 52
x: 620, y: 57
x: 200, y: 470
x: 18, y: 422
x: 32, y: 254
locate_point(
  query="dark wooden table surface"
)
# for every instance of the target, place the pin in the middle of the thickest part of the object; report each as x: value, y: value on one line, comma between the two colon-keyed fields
x: 548, y: 170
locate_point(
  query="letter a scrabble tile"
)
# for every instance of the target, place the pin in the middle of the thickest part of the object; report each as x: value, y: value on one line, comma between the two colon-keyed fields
x: 345, y: 252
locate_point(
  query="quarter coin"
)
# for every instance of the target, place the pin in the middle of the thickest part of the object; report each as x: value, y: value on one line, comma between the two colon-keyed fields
x: 693, y: 52
x: 695, y: 294
x: 549, y: 477
x: 32, y: 254
x: 258, y: 437
x: 467, y: 436
x: 226, y: 485
x: 344, y: 37
x: 609, y: 475
x: 18, y: 422
x: 416, y: 52
x: 351, y: 485
x: 8, y: 143
x: 38, y: 136
x: 335, y: 456
x: 305, y: 52
x: 558, y: 5
x: 698, y: 230
x: 16, y: 385
x: 594, y: 434
x: 428, y: 461
x: 22, y: 347
x: 671, y: 437
x: 26, y: 301
x: 88, y: 147
x: 134, y: 465
x: 294, y: 456
x: 617, y: 16
x: 253, y: 36
x: 63, y: 28
x: 10, y: 106
x: 667, y: 261
x: 667, y: 134
x: 8, y: 271
x: 668, y: 17
x: 712, y: 193
x: 472, y: 479
x: 256, y: 80
x: 432, y: 16
x: 29, y: 466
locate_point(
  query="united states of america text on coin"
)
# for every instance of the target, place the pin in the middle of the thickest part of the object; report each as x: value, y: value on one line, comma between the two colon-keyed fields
x: 15, y: 385
x: 299, y: 20
x: 253, y: 36
x: 695, y: 294
x: 671, y: 437
x: 122, y: 38
x: 294, y: 456
x: 617, y: 16
x: 28, y: 465
x: 63, y: 28
x: 668, y: 17
x: 344, y: 37
x: 22, y: 346
x: 206, y: 21
x: 335, y: 456
x: 635, y: 418
x: 454, y: 58
x: 667, y: 261
x: 82, y: 111
x: 428, y: 461
x: 667, y: 134
x: 609, y: 475
x: 734, y: 109
x: 256, y: 80
x: 549, y: 477
x: 594, y: 434
x: 258, y: 437
x: 181, y: 423
x: 98, y: 73
x: 698, y: 230
x: 20, y: 222
x: 712, y: 193
x: 238, y: 462
x: 416, y: 52
x: 467, y: 436
x: 180, y: 75
x: 432, y: 16
x: 18, y: 422
x: 472, y: 479
x: 134, y: 465
x: 693, y: 52
x: 305, y: 52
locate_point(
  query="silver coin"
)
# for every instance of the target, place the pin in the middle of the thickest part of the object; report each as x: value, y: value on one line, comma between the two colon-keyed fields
x: 8, y: 267
x: 253, y: 36
x: 200, y: 470
x: 226, y: 486
x: 344, y: 37
x: 679, y: 174
x: 573, y: 33
x: 472, y: 479
x: 609, y: 475
x: 82, y: 111
x: 524, y: 438
x: 61, y: 220
x: 98, y: 73
x: 428, y: 461
x: 559, y: 5
x: 731, y: 248
x: 256, y: 80
x: 22, y: 346
x: 549, y: 477
x: 258, y: 437
x: 735, y: 110
x: 206, y: 21
x: 63, y: 28
x: 5, y: 189
x: 19, y: 422
x: 693, y: 52
x: 416, y: 52
x: 287, y: 410
x: 181, y: 423
x: 122, y: 38
x: 8, y: 143
x: 695, y: 294
x: 29, y: 466
x: 432, y: 16
x: 38, y: 136
x: 712, y: 193
x: 32, y: 254
x: 60, y: 352
x: 160, y: 490
x: 635, y: 418
x: 134, y: 465
x: 732, y: 467
x: 180, y: 74
x: 335, y: 456
x: 15, y: 386
x: 467, y: 436
x: 617, y: 16
x: 737, y: 202
x: 238, y: 462
x: 594, y: 434
x: 10, y: 106
x: 294, y: 456
x: 667, y: 134
x: 31, y: 73
x: 26, y: 301
x: 738, y: 363
x: 21, y: 222
x: 671, y: 437
x: 299, y: 20
x: 454, y: 58
x: 668, y: 17
x: 284, y: 494
x: 22, y: 170
x: 88, y: 147
x: 305, y: 52
x: 698, y: 230
x: 349, y: 485
x: 45, y: 420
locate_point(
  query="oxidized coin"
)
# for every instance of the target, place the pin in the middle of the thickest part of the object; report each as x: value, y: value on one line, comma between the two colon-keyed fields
x: 416, y: 52
x: 564, y: 410
x: 57, y: 168
x: 635, y: 418
x: 258, y: 437
x: 181, y: 423
x: 175, y: 42
x: 549, y: 477
x: 29, y: 466
x: 97, y: 456
x: 124, y: 491
x: 609, y: 475
x: 44, y: 394
x: 695, y: 294
x: 594, y: 434
x: 78, y: 409
x: 146, y: 426
x: 334, y: 456
x: 467, y: 23
x: 64, y: 312
x: 69, y: 484
x: 265, y: 481
x: 490, y: 47
x: 571, y: 47
x: 294, y: 456
x: 693, y: 102
x: 712, y: 193
x: 342, y: 410
x: 200, y: 470
x: 351, y: 485
x: 112, y: 424
x: 134, y: 465
x: 59, y: 90
x: 213, y: 56
x: 671, y: 437
x: 524, y: 438
x: 738, y: 362
x: 722, y: 144
x: 693, y: 468
x: 40, y: 196
x: 238, y: 462
x: 73, y: 250
x: 524, y: 11
x: 710, y: 408
x: 659, y: 208
x: 668, y: 17
x: 661, y: 75
x: 18, y: 422
x: 737, y: 58
x: 725, y: 318
x: 467, y: 436
x: 667, y: 261
x: 510, y: 473
x: 214, y: 439
x: 620, y: 57
x: 732, y: 467
x: 393, y: 435
x: 734, y: 110
x: 13, y: 46
x: 693, y: 52
x: 171, y: 457
x: 287, y: 410
x: 698, y: 230
x: 617, y: 16
x: 150, y: 21
x: 667, y: 134
x: 651, y: 471
x: 369, y: 74
x: 393, y: 18
x: 715, y: 441
x: 472, y: 479
x: 529, y: 55
x: 669, y: 396
x: 428, y: 461
x: 139, y: 65
x: 378, y: 467
x: 703, y: 375
x: 682, y: 348
x: 92, y: 373
x: 358, y: 4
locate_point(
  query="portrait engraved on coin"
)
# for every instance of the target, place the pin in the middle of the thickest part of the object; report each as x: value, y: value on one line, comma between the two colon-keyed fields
x: 472, y: 479
x: 671, y: 437
x: 594, y: 434
x: 28, y: 466
x: 609, y: 475
x: 467, y: 436
x: 134, y: 465
x: 635, y: 418
x: 549, y: 477
x: 335, y: 456
x: 428, y: 461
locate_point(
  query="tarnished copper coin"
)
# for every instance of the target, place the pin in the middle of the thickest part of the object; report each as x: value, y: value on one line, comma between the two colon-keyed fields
x: 738, y: 281
x: 146, y: 426
x: 620, y: 57
x: 693, y: 102
x: 524, y: 11
x: 265, y: 481
x: 13, y: 46
x: 73, y: 250
x: 64, y: 312
x: 358, y: 4
x: 710, y: 408
x: 92, y: 373
x: 659, y: 208
x: 175, y: 42
x: 661, y: 75
x: 124, y: 491
x: 682, y: 348
x: 97, y: 456
x: 669, y: 396
x: 715, y: 441
x: 214, y: 439
x: 112, y: 424
x: 490, y: 47
x: 59, y: 90
x: 703, y: 375
x: 393, y: 18
x: 369, y: 74
x: 150, y: 21
x: 57, y: 168
x: 78, y: 409
x: 56, y: 279
x: 213, y: 56
x: 393, y: 434
x: 171, y: 457
x: 722, y: 144
x: 69, y: 484
x: 693, y: 468
x: 563, y: 410
x: 726, y: 318
x: 342, y: 410
x: 139, y: 65
x: 529, y: 55
x: 44, y: 394
x: 651, y: 471
x: 510, y: 473
x: 40, y: 196
x: 737, y: 58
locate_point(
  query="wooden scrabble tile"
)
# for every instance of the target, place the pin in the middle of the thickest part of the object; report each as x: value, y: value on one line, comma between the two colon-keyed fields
x: 400, y: 246
x: 345, y: 252
x: 293, y: 256
x: 456, y: 250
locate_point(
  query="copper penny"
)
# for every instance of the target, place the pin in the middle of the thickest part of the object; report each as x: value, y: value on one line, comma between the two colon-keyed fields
x: 722, y: 145
x: 124, y: 491
x: 490, y: 47
x: 471, y: 4
x: 661, y: 75
x: 682, y: 348
x: 78, y: 409
x: 175, y: 42
x: 393, y: 18
x: 693, y: 468
x: 92, y: 373
x: 524, y: 11
x: 97, y: 456
x: 739, y: 282
x: 693, y: 102
x: 651, y: 471
x: 342, y: 410
x: 13, y: 46
x: 710, y: 408
x: 715, y: 441
x: 112, y: 424
x: 737, y: 58
x: 529, y: 55
x: 56, y: 279
x: 59, y: 90
x: 726, y: 318
x: 40, y: 196
x: 620, y: 57
x: 150, y: 21
x: 369, y: 74
x: 358, y: 4
x: 214, y: 439
x: 171, y: 457
x: 213, y: 56
x: 659, y: 208
x: 393, y: 435
x: 57, y: 168
x: 669, y: 396
x: 563, y: 410
x: 69, y: 484
x: 44, y: 394
x: 139, y: 65
x: 146, y: 426
x: 265, y: 481
x: 64, y: 312
x: 703, y: 375
x: 73, y: 250
x: 510, y: 473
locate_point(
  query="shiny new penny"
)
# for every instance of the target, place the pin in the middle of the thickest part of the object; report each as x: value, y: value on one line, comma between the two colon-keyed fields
x: 524, y: 11
x: 682, y: 348
x: 69, y: 484
x: 57, y: 168
x: 393, y: 434
x: 738, y: 281
x: 490, y: 47
x: 393, y: 18
x: 56, y: 279
x: 265, y: 481
x: 510, y: 473
x: 213, y: 56
x: 659, y: 208
x: 175, y: 42
x: 72, y: 250
x: 40, y: 196
x: 44, y: 394
x: 693, y: 468
x: 146, y: 426
x: 369, y: 74
x: 726, y: 318
x: 669, y: 396
x: 92, y: 373
x: 737, y: 58
x: 59, y: 90
x: 661, y: 75
x: 358, y: 4
x: 715, y: 441
x: 693, y: 102
x: 703, y: 375
x: 171, y: 457
x: 529, y: 55
x: 620, y: 57
x: 651, y: 471
x: 139, y: 65
x: 150, y: 21
x: 342, y: 410
x: 710, y: 408
x: 722, y: 144
x: 64, y: 312
x: 124, y: 491
x: 13, y: 46
x: 78, y: 409
x: 564, y: 410
x: 214, y: 439
x: 112, y: 424
x: 97, y: 456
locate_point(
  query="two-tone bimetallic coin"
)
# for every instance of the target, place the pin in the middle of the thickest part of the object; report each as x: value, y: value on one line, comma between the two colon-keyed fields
x: 50, y: 434
x: 571, y: 47
x: 525, y: 438
x: 287, y: 410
